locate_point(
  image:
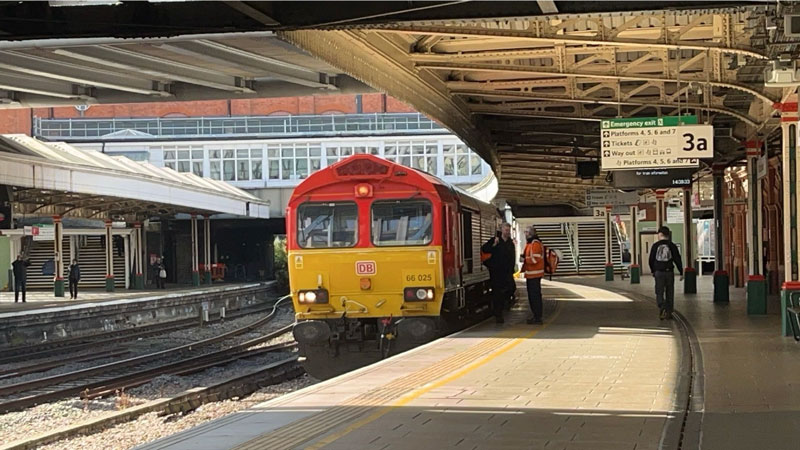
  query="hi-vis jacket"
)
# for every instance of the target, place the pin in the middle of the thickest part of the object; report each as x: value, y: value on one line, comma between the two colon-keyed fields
x: 533, y: 267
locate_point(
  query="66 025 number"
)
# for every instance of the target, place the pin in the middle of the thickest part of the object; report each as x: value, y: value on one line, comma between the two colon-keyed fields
x: 414, y: 277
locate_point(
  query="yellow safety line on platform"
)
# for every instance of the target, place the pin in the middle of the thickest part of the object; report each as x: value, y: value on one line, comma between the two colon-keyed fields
x: 415, y: 394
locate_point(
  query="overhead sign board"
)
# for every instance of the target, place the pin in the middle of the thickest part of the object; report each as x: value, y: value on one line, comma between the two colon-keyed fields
x: 611, y: 197
x: 42, y: 232
x: 653, y: 178
x: 654, y: 142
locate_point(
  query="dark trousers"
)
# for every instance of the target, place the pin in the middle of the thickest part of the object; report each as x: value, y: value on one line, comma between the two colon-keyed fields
x: 19, y: 285
x: 161, y: 283
x: 501, y: 293
x: 665, y: 290
x: 534, y: 286
x: 73, y: 288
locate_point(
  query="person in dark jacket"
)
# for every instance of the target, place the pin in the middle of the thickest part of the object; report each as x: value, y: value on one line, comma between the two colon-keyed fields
x: 664, y: 256
x: 20, y: 268
x: 501, y: 266
x: 74, y: 277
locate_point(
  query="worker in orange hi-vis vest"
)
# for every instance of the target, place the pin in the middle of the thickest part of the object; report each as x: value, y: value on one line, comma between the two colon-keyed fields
x: 533, y: 267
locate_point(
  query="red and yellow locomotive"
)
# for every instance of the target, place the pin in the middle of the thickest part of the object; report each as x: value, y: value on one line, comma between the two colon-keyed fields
x: 381, y: 258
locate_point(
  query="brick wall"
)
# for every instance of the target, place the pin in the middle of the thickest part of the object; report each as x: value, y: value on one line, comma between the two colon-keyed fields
x: 19, y: 120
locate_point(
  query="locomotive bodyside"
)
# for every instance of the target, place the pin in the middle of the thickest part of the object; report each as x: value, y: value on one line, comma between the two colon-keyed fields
x: 376, y: 259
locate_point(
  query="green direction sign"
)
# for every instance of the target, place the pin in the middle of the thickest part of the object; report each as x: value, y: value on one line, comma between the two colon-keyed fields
x: 647, y: 122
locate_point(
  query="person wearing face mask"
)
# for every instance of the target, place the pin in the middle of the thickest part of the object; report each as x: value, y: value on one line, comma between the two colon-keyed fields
x: 533, y: 268
x: 501, y: 268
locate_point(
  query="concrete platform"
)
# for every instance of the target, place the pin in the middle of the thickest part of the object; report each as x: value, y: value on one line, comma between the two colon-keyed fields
x: 750, y: 373
x: 44, y: 317
x: 602, y: 373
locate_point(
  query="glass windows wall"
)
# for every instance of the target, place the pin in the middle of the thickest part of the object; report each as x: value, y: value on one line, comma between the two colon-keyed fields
x: 286, y: 163
x: 184, y: 158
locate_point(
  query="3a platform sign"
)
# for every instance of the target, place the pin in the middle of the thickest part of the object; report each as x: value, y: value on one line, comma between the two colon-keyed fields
x: 654, y: 142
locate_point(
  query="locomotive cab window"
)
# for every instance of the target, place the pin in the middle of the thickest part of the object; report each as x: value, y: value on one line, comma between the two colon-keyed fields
x: 327, y: 225
x: 402, y: 222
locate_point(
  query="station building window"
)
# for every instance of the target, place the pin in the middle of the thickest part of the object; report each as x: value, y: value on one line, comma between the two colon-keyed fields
x: 335, y: 153
x: 236, y: 164
x: 184, y: 159
x: 460, y: 161
x: 290, y: 161
x: 422, y: 155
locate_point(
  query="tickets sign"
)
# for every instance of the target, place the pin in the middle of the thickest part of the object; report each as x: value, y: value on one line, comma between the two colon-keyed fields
x: 654, y: 142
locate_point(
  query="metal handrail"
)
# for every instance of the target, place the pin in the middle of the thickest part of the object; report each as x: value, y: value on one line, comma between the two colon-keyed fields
x: 198, y: 127
x: 572, y: 231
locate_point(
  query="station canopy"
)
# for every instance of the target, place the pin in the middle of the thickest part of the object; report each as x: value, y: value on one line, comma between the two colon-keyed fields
x: 54, y: 178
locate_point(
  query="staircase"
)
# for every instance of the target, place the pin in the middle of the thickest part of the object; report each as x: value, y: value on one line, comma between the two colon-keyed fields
x: 38, y: 253
x: 552, y: 237
x: 91, y: 257
x: 591, y: 248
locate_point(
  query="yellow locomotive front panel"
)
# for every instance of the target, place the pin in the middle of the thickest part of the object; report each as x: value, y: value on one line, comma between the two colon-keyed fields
x: 366, y: 283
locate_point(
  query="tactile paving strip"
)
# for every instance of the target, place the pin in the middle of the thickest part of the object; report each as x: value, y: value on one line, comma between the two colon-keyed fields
x: 309, y: 428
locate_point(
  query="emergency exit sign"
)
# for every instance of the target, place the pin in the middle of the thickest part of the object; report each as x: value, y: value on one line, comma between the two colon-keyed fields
x: 654, y: 142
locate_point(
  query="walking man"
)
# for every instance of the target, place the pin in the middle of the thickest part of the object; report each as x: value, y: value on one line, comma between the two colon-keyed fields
x: 533, y: 267
x: 74, y: 277
x: 501, y: 268
x: 664, y: 256
x: 20, y: 268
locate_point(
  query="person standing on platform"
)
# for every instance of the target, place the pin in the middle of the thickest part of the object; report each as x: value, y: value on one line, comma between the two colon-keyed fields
x: 664, y: 256
x: 533, y: 267
x: 162, y: 274
x: 20, y: 269
x: 74, y: 277
x: 501, y: 268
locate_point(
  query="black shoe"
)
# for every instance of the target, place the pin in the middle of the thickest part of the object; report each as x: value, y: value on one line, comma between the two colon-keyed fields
x: 534, y: 321
x: 499, y: 320
x: 663, y: 314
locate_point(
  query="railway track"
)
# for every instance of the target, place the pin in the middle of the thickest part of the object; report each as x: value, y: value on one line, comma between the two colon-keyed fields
x: 107, y: 378
x: 80, y: 343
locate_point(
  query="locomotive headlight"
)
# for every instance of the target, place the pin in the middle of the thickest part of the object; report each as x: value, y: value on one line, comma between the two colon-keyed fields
x: 315, y: 296
x: 414, y: 294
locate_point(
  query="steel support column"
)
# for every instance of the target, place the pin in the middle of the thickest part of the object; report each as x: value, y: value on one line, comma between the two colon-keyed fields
x: 756, y: 283
x: 195, y: 259
x: 609, y: 261
x: 721, y: 279
x: 660, y: 193
x: 207, y: 248
x: 138, y: 277
x: 58, y: 250
x: 689, y: 272
x: 791, y: 283
x: 109, y: 257
x: 634, y: 236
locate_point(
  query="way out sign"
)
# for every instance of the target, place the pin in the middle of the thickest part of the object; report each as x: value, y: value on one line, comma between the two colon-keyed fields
x: 654, y: 142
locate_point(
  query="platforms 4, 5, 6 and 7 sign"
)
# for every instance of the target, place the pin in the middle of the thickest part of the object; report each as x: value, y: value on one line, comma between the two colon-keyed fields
x: 654, y: 142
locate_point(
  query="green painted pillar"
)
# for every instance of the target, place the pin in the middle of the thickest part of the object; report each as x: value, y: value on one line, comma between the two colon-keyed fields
x: 610, y: 272
x: 756, y: 295
x: 689, y: 281
x: 789, y: 291
x: 721, y: 280
x: 207, y: 277
x: 138, y: 281
x: 109, y: 257
x: 756, y: 283
x: 58, y: 246
x: 195, y: 278
x: 721, y: 287
x: 635, y: 273
x: 58, y: 287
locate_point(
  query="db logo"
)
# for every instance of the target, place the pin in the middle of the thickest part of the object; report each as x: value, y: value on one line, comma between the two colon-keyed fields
x: 366, y: 268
